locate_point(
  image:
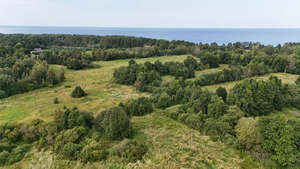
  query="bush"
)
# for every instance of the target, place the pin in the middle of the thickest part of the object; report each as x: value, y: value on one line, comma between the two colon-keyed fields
x: 92, y: 152
x: 3, y: 94
x: 114, y: 123
x: 78, y: 92
x: 130, y: 150
x: 71, y: 151
x: 164, y: 101
x: 67, y: 142
x: 298, y: 81
x: 70, y: 118
x: 17, y: 154
x: 221, y: 92
x: 139, y: 107
x: 278, y: 139
x: 247, y: 133
x: 55, y: 101
x: 3, y: 157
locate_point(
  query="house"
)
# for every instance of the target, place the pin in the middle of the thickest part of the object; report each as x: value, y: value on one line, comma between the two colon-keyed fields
x: 36, y: 52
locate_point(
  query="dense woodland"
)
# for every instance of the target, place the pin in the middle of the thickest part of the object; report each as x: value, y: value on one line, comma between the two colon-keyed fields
x: 242, y: 118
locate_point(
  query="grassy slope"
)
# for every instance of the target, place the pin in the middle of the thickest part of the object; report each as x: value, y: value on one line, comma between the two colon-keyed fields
x: 285, y: 77
x: 102, y: 93
x: 171, y: 144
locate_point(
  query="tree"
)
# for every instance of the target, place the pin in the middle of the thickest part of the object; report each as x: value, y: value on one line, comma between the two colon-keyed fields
x: 78, y: 92
x: 139, y: 107
x: 217, y: 107
x: 191, y: 63
x: 38, y: 73
x: 114, y: 124
x: 164, y: 101
x: 221, y: 92
x: 70, y: 118
x: 248, y: 133
x: 210, y: 59
x: 298, y: 81
x: 278, y: 139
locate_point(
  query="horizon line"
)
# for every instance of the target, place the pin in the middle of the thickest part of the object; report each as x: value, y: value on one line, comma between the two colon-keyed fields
x: 130, y: 27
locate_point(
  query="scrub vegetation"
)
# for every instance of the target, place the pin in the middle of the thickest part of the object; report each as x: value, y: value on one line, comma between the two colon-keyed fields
x: 126, y: 102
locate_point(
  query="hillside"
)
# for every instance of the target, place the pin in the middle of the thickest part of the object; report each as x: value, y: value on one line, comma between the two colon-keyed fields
x: 124, y: 102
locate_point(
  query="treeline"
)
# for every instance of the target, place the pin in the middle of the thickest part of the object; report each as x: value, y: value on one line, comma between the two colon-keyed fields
x: 51, y: 40
x: 81, y: 58
x: 284, y: 58
x: 233, y: 73
x: 148, y: 75
x: 27, y: 74
x: 139, y: 52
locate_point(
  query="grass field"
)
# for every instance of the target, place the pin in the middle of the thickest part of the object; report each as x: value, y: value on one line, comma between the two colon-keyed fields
x: 172, y: 145
x: 286, y: 78
x: 102, y: 93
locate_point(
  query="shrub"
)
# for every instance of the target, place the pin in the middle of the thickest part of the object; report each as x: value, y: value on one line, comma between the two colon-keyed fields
x: 3, y: 94
x: 55, y: 101
x: 92, y: 152
x: 194, y: 121
x: 70, y: 118
x: 278, y: 139
x: 114, y: 123
x: 164, y: 101
x: 71, y: 151
x: 247, y: 132
x: 3, y: 157
x: 17, y: 154
x: 139, y: 107
x: 298, y: 81
x: 221, y: 92
x: 78, y: 92
x: 130, y: 150
x: 67, y: 142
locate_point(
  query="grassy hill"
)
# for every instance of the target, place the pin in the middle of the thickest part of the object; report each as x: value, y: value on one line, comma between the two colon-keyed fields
x: 171, y: 144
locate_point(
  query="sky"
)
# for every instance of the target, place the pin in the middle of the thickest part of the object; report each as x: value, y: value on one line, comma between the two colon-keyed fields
x: 152, y: 13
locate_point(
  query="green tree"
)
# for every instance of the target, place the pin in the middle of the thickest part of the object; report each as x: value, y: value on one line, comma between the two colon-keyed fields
x: 114, y: 123
x: 78, y: 92
x: 221, y: 92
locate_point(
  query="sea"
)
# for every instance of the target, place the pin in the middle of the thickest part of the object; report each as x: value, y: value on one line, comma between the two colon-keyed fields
x: 266, y: 36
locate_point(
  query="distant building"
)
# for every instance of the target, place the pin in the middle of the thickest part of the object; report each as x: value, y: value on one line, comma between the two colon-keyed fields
x: 36, y: 52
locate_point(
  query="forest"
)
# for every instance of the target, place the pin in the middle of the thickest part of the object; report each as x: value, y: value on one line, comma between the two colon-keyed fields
x: 249, y: 118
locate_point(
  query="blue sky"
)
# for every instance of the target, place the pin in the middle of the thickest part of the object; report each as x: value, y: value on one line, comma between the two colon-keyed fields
x: 152, y: 13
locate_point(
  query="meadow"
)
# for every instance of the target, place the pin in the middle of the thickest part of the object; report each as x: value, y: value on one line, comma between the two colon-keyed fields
x: 172, y: 144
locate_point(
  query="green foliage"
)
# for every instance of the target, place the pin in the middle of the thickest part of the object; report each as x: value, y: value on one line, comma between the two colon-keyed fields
x: 70, y: 118
x: 27, y: 74
x: 248, y: 133
x: 164, y: 101
x: 210, y: 59
x: 55, y: 100
x: 130, y: 150
x: 221, y: 92
x: 192, y: 63
x: 298, y: 81
x: 139, y: 107
x: 67, y: 142
x: 78, y: 92
x: 92, y: 152
x: 114, y: 123
x: 16, y: 154
x: 278, y: 139
x: 259, y: 97
x: 216, y: 108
